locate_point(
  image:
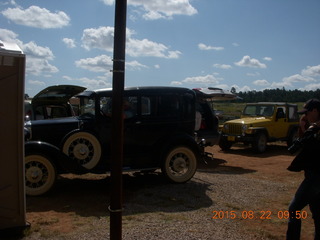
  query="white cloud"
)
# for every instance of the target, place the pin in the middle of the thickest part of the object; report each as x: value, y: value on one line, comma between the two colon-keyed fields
x: 102, y: 63
x: 36, y: 83
x: 206, y: 80
x: 37, y: 17
x: 222, y: 66
x: 147, y: 48
x: 166, y: 9
x: 262, y: 82
x: 134, y: 65
x: 70, y: 43
x: 247, y: 61
x: 267, y: 58
x: 102, y: 38
x: 102, y: 81
x: 96, y: 83
x: 9, y: 36
x: 311, y: 87
x: 37, y: 66
x: 297, y: 78
x: 32, y: 50
x: 311, y: 71
x: 253, y: 74
x: 204, y: 47
x: 38, y: 57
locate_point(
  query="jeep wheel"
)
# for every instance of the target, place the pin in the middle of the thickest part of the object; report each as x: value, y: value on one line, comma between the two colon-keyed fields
x: 40, y: 174
x: 225, y: 145
x: 260, y: 143
x: 292, y: 136
x: 84, y: 148
x: 180, y: 164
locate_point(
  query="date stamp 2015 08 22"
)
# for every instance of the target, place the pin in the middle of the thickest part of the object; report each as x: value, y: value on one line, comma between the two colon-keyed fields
x: 261, y: 215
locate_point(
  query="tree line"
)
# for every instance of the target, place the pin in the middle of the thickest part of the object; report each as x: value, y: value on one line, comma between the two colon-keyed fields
x: 277, y: 95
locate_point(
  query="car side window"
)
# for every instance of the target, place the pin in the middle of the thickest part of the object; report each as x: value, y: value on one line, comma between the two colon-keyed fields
x: 293, y: 115
x: 281, y: 112
x: 129, y: 106
x: 145, y: 106
x: 168, y: 105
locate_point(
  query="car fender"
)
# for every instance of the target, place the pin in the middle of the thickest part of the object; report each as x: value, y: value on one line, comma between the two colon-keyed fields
x: 63, y: 161
x: 76, y: 131
x: 180, y: 140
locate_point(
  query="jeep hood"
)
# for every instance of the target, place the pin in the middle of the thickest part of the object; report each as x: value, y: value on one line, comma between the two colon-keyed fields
x: 215, y: 94
x: 249, y: 120
x: 58, y: 94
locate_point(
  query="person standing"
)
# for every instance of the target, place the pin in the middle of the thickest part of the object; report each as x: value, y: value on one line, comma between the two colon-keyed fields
x: 308, y: 160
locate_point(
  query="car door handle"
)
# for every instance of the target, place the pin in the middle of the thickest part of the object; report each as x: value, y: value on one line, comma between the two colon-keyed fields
x: 138, y: 122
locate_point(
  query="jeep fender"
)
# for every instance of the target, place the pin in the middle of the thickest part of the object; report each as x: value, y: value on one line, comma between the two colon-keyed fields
x: 258, y: 130
x: 63, y: 161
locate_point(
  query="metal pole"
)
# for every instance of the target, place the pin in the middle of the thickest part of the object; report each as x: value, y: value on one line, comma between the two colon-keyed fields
x: 117, y: 120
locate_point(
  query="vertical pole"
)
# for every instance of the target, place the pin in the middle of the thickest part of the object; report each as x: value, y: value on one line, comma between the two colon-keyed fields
x: 117, y: 119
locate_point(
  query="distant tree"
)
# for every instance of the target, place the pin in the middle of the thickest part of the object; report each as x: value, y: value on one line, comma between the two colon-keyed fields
x: 233, y: 90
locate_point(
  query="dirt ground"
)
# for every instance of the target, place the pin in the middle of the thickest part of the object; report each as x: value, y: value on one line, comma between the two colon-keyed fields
x: 78, y: 202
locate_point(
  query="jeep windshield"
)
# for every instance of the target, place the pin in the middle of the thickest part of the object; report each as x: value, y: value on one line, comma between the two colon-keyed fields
x: 258, y: 111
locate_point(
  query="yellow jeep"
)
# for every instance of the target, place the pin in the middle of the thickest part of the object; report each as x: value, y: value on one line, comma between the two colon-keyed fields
x: 261, y: 123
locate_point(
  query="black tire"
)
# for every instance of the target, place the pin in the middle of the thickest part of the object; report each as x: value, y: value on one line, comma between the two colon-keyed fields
x: 260, y: 143
x: 225, y: 145
x: 40, y: 174
x: 180, y: 164
x: 292, y: 136
x: 83, y: 147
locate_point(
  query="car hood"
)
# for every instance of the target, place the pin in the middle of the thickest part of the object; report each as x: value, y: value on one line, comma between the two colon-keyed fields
x: 249, y: 120
x: 215, y: 94
x: 58, y: 94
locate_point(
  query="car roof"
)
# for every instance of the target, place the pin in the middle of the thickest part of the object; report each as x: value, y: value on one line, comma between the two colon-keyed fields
x: 215, y: 94
x: 145, y: 89
x: 273, y: 103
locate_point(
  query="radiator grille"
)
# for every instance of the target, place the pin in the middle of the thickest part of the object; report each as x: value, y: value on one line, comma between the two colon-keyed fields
x: 235, y: 129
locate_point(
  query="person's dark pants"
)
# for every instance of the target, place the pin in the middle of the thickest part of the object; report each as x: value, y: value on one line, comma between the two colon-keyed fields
x: 307, y: 194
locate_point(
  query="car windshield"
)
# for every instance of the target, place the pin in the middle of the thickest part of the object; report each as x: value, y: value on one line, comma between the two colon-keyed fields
x: 87, y: 107
x: 258, y: 110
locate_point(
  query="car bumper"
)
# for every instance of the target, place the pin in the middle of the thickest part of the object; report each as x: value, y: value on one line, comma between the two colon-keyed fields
x: 237, y: 138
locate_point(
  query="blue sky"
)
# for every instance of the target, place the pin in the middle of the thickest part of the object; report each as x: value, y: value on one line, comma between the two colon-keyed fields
x: 245, y: 44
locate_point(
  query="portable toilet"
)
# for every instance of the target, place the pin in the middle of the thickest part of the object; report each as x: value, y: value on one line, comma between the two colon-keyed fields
x: 12, y: 188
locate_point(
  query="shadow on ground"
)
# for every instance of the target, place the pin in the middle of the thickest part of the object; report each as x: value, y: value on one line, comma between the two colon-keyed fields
x: 89, y: 195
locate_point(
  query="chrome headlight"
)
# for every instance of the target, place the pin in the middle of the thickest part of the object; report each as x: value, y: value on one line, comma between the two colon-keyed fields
x: 244, y: 128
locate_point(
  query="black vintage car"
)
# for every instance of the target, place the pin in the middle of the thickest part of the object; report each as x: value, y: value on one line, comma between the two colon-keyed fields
x: 160, y: 132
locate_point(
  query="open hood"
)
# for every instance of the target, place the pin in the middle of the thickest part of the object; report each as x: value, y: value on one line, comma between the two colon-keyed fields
x: 58, y: 94
x: 215, y: 94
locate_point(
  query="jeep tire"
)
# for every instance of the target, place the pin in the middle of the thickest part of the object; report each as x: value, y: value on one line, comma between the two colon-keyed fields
x: 40, y: 174
x: 225, y: 145
x: 260, y: 143
x: 293, y: 135
x: 179, y: 164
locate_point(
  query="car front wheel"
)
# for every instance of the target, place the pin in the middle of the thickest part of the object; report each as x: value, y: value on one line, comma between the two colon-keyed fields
x: 260, y: 143
x: 83, y: 147
x: 180, y: 164
x: 40, y: 174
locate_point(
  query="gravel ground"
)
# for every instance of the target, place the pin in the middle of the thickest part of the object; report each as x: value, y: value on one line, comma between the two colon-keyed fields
x: 153, y: 209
